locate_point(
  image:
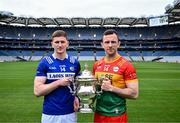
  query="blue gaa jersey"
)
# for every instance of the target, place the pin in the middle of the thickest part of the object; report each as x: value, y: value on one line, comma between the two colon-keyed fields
x: 59, y: 101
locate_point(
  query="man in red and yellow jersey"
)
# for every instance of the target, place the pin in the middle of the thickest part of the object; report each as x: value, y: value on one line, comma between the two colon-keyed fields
x: 119, y: 82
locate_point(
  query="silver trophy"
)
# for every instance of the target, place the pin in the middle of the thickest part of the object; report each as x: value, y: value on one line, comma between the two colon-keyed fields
x: 85, y: 90
x: 86, y: 87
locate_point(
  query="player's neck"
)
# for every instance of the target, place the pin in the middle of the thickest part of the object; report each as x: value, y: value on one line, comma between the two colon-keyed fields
x: 60, y: 56
x: 110, y: 58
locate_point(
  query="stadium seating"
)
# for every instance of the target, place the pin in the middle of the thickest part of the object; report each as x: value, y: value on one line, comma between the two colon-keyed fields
x: 32, y: 43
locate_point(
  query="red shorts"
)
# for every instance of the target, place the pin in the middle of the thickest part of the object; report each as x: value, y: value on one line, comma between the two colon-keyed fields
x: 110, y: 119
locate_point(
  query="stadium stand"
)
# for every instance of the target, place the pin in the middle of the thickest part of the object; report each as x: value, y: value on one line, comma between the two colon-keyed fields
x: 137, y: 43
x: 19, y: 40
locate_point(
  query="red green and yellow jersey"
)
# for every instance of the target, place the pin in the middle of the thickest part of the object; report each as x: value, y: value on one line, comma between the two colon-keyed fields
x: 120, y: 72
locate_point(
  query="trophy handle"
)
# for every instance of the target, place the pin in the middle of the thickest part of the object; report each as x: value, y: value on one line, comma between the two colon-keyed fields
x: 73, y: 86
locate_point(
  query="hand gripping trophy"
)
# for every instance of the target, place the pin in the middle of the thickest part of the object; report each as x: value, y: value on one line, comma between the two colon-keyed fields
x: 87, y: 87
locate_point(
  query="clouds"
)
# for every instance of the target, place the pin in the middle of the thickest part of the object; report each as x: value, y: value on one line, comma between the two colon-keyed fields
x: 85, y: 8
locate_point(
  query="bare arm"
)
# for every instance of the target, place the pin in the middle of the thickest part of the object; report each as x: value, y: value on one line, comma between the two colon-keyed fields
x: 76, y: 104
x: 42, y: 89
x: 131, y: 91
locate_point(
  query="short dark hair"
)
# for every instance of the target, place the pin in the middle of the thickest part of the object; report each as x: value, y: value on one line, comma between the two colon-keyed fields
x: 110, y: 32
x: 59, y: 33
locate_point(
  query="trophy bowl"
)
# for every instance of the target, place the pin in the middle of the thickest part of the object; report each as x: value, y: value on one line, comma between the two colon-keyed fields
x: 85, y: 90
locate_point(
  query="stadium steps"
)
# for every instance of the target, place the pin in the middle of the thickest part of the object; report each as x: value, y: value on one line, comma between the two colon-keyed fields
x: 129, y: 56
x: 31, y: 56
x: 21, y: 58
x: 142, y: 57
x: 157, y: 59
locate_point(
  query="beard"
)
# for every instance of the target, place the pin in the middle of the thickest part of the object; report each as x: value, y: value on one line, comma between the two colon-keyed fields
x: 111, y: 51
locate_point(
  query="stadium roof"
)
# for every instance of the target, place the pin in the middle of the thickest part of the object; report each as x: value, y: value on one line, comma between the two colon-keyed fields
x: 173, y: 12
x: 78, y: 21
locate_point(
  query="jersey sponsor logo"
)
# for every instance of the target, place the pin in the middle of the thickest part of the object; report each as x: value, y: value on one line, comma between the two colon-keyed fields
x: 102, y: 76
x: 53, y: 76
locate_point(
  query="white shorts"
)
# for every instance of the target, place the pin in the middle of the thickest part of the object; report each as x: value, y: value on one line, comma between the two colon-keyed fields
x: 68, y: 118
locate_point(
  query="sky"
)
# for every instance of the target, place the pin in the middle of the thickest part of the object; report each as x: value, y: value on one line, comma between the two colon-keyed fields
x: 85, y: 8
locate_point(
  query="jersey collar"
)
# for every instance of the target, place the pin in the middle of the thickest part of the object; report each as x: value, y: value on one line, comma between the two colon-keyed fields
x: 115, y: 59
x: 53, y: 55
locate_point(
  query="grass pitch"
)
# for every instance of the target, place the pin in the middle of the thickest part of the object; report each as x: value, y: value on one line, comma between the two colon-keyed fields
x: 159, y: 99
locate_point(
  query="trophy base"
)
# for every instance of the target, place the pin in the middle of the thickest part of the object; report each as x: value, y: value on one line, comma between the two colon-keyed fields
x: 86, y: 110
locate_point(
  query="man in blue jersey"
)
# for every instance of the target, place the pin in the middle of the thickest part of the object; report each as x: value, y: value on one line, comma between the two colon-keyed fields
x: 54, y: 81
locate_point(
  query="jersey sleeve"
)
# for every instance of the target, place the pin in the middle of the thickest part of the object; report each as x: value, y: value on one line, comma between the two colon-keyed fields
x: 78, y: 68
x: 96, y: 64
x: 94, y: 67
x: 41, y: 69
x: 130, y: 74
